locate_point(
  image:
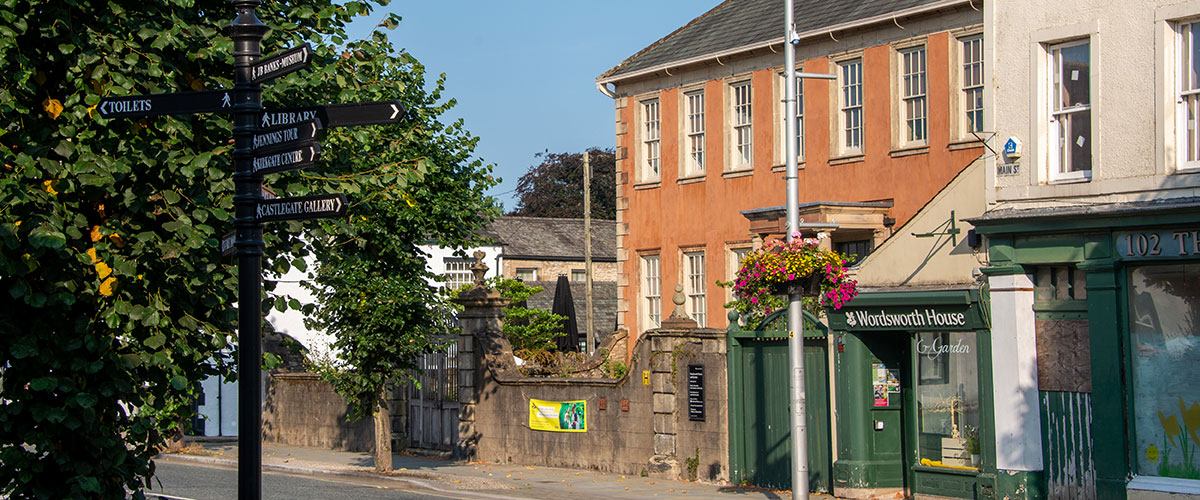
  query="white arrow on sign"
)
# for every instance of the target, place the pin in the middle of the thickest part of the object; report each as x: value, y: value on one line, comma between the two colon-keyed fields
x: 395, y: 111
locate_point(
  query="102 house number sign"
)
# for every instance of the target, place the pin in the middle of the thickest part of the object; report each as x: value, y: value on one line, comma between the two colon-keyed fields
x: 1172, y: 244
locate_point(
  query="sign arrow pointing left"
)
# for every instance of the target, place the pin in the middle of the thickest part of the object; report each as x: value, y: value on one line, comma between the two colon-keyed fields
x: 181, y: 103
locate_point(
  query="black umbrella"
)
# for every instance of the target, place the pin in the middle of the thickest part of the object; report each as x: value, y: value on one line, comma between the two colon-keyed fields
x: 564, y: 305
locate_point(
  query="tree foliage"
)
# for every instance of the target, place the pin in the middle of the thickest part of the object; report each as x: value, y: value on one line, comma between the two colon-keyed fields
x: 554, y: 188
x: 113, y: 295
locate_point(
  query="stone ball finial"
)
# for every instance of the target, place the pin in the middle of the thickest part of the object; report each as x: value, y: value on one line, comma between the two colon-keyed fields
x: 479, y: 268
x: 679, y: 317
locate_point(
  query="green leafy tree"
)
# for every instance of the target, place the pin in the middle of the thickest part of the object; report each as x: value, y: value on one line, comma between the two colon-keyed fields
x: 554, y: 187
x: 113, y: 296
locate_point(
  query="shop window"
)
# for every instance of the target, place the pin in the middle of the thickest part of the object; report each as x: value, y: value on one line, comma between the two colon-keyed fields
x: 947, y: 399
x: 1164, y: 303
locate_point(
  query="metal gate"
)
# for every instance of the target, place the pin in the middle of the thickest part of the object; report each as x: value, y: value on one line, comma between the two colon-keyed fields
x: 759, y: 418
x: 433, y: 401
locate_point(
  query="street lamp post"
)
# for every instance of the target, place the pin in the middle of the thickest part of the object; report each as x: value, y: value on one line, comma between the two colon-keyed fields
x: 795, y: 314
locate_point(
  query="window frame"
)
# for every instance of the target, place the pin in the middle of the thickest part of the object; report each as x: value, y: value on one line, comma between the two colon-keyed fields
x: 651, y: 314
x: 913, y: 95
x: 450, y: 274
x: 695, y: 132
x: 845, y: 126
x: 649, y: 140
x: 741, y: 155
x: 694, y: 287
x: 533, y: 271
x: 1187, y: 149
x: 968, y: 88
x: 1055, y: 155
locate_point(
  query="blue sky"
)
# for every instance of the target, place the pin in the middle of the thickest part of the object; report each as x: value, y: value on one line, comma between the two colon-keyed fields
x: 523, y: 71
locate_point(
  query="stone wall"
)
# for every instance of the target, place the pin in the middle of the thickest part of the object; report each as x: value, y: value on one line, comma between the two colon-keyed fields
x: 636, y: 424
x: 303, y: 410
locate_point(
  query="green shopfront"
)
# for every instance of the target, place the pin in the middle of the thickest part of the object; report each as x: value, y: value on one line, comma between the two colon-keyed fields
x: 913, y: 385
x: 1111, y: 300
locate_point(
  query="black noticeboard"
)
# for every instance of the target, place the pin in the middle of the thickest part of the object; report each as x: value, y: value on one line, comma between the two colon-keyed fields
x: 695, y: 392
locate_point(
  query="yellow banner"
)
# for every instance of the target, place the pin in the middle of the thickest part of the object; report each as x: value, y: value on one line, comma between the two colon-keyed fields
x: 558, y: 416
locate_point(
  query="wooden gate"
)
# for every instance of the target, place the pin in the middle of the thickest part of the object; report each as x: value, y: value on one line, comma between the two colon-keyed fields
x: 433, y: 402
x: 759, y: 418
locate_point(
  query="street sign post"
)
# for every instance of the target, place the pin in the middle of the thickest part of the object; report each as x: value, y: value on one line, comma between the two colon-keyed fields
x: 336, y: 115
x: 183, y: 103
x: 281, y: 64
x: 287, y: 135
x: 291, y: 159
x: 264, y: 142
x: 301, y: 208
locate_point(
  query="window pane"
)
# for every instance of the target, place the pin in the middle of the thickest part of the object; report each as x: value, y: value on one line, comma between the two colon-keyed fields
x: 1164, y: 304
x: 652, y: 291
x: 695, y: 286
x: 1073, y: 68
x: 947, y: 397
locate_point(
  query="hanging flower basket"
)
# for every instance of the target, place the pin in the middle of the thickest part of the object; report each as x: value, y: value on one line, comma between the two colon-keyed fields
x: 780, y: 268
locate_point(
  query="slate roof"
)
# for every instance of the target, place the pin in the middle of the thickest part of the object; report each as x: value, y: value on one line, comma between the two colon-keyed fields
x: 539, y: 238
x: 604, y: 303
x: 743, y: 23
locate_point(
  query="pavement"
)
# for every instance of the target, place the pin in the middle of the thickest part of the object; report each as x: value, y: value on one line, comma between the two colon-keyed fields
x: 469, y: 479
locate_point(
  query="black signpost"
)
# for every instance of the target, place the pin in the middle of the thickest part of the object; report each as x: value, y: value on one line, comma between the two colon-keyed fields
x: 264, y: 142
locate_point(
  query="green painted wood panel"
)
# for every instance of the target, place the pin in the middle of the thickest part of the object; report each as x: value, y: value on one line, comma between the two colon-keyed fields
x: 1069, y: 469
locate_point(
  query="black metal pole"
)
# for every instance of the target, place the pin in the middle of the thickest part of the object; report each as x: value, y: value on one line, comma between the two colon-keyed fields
x: 247, y: 33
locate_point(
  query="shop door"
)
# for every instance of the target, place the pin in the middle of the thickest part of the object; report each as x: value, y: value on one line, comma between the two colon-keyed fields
x: 888, y: 355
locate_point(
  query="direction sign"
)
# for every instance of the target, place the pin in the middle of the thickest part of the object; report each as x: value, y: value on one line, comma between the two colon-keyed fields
x: 281, y: 64
x: 182, y: 103
x: 227, y: 242
x: 286, y: 136
x: 304, y: 207
x: 291, y: 159
x: 336, y: 115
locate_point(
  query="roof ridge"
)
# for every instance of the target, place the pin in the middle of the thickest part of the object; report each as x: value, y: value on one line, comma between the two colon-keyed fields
x: 662, y: 40
x: 527, y: 217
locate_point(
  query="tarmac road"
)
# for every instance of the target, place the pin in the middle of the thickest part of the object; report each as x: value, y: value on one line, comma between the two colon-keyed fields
x: 181, y: 481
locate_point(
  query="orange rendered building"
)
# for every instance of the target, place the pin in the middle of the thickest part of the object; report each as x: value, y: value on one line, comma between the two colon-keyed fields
x: 699, y: 131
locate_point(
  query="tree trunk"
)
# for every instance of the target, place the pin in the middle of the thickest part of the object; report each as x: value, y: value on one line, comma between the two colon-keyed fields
x: 383, y: 434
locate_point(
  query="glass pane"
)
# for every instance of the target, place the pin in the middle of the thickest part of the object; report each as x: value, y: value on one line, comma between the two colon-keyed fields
x: 947, y: 398
x: 1164, y: 304
x: 1192, y: 70
x: 1073, y: 71
x: 1079, y: 141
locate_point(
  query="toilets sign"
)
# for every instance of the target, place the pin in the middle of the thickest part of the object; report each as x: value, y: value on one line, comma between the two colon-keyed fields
x: 915, y: 318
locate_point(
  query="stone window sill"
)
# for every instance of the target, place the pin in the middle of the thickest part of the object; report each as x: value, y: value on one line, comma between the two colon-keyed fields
x: 971, y: 143
x: 738, y: 173
x: 842, y: 160
x: 648, y: 185
x: 779, y: 169
x: 911, y: 151
x: 690, y: 180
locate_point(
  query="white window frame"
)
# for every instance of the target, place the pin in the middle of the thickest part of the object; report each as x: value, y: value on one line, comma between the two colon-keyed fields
x: 457, y: 272
x: 650, y: 140
x: 735, y: 254
x: 970, y: 78
x: 741, y: 125
x: 1187, y: 96
x: 850, y: 107
x: 783, y: 118
x: 1057, y: 148
x: 694, y: 130
x: 914, y: 90
x: 695, y: 287
x: 651, y: 291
